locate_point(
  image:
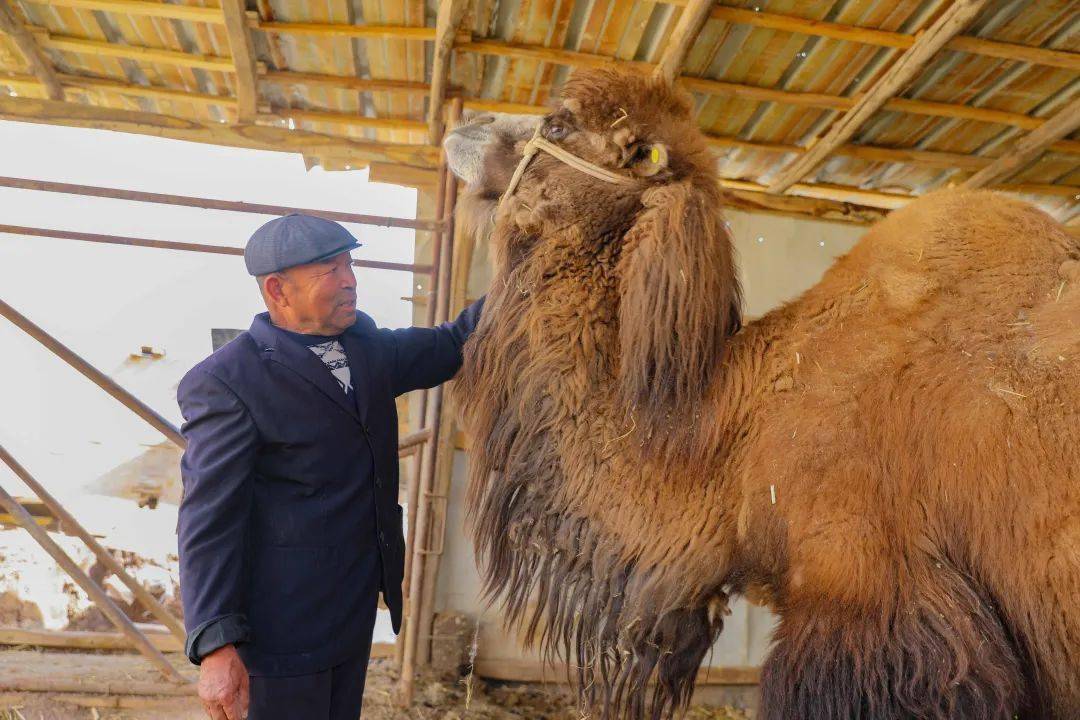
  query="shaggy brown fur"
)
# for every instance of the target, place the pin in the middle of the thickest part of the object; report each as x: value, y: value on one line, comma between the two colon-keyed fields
x: 916, y: 417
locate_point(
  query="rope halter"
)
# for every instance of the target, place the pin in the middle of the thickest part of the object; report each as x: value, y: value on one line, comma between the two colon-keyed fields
x: 538, y: 143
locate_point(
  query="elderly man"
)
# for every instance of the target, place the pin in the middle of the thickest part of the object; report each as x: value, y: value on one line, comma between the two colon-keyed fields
x: 289, y: 527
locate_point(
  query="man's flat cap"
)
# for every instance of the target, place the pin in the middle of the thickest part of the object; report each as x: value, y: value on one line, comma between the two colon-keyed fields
x: 293, y: 240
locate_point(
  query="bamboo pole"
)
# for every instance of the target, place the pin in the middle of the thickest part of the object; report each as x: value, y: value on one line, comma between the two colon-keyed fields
x: 401, y: 32
x: 211, y: 204
x: 103, y: 601
x: 350, y: 119
x: 104, y: 556
x: 38, y: 62
x: 171, y: 245
x: 947, y: 26
x: 97, y: 377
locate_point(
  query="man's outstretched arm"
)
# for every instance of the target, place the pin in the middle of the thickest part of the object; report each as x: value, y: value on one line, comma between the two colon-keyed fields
x: 426, y: 357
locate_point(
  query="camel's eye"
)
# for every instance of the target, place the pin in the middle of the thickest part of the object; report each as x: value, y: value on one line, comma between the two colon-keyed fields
x: 556, y: 130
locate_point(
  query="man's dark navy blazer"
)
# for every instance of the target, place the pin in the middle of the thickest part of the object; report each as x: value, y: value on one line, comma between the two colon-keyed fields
x: 289, y: 525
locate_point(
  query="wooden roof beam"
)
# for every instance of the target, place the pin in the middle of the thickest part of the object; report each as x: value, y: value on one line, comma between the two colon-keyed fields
x: 256, y: 137
x: 447, y: 21
x: 903, y: 41
x: 12, y: 24
x: 143, y: 7
x: 947, y: 26
x: 682, y: 39
x: 401, y: 32
x: 1030, y: 146
x: 86, y: 46
x: 345, y: 118
x: 243, y: 54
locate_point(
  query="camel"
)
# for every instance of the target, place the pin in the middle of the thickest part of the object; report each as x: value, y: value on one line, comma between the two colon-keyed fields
x: 890, y: 462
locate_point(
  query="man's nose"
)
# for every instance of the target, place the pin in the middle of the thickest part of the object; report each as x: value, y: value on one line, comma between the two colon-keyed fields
x: 348, y: 277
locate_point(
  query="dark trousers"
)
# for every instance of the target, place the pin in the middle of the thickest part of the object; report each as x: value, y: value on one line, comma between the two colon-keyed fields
x: 333, y: 694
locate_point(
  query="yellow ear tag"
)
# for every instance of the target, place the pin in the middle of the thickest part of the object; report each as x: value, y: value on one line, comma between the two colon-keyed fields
x: 654, y: 156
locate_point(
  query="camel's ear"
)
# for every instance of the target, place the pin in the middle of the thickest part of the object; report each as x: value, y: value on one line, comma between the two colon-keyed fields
x: 680, y: 300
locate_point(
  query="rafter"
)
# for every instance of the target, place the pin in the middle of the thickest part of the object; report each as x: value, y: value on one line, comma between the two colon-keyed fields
x: 143, y: 7
x: 903, y: 41
x: 947, y: 26
x: 1030, y: 146
x: 447, y: 21
x: 38, y: 62
x: 682, y: 39
x: 401, y: 32
x: 243, y: 54
x: 86, y: 46
x: 256, y: 137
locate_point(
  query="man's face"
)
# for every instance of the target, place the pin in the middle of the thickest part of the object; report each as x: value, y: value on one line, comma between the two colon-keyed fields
x: 321, y: 297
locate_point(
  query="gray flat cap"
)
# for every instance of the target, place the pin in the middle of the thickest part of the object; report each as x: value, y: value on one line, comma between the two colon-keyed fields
x: 293, y: 240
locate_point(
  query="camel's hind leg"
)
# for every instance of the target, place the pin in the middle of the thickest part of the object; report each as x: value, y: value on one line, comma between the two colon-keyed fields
x: 937, y: 654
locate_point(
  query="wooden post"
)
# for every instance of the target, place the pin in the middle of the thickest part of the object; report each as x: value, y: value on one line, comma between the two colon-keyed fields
x: 446, y: 24
x: 420, y: 493
x: 141, y: 594
x: 243, y: 56
x: 947, y: 26
x: 38, y: 61
x: 103, y: 601
x: 682, y: 39
x: 1030, y: 146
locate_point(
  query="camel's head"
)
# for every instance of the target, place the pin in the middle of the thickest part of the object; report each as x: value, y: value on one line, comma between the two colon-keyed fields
x: 621, y: 161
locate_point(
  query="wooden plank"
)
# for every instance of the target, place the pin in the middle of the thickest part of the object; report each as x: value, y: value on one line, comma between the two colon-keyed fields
x: 85, y: 640
x: 143, y: 7
x: 103, y: 601
x: 350, y: 119
x: 243, y: 54
x: 401, y: 32
x: 343, y: 82
x: 1027, y: 148
x: 256, y: 137
x: 682, y: 37
x: 947, y: 26
x: 38, y: 62
x: 85, y: 46
x: 885, y: 38
x: 403, y: 175
x: 447, y: 21
x: 73, y: 526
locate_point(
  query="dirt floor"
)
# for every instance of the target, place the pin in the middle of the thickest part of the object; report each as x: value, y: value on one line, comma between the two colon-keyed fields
x: 435, y: 699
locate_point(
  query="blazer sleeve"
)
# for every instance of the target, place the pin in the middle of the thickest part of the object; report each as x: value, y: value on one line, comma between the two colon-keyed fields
x: 426, y: 357
x: 217, y: 470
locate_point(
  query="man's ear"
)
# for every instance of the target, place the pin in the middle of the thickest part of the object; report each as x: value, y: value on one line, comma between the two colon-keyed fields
x: 274, y: 289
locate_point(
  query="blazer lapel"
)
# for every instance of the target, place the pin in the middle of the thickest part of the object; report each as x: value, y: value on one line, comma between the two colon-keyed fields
x: 360, y: 369
x: 284, y: 351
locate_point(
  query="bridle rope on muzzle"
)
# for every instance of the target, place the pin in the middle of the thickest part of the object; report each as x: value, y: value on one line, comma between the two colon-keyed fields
x: 538, y: 143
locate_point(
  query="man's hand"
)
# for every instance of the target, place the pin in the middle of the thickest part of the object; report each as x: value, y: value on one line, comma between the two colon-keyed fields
x: 223, y: 685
